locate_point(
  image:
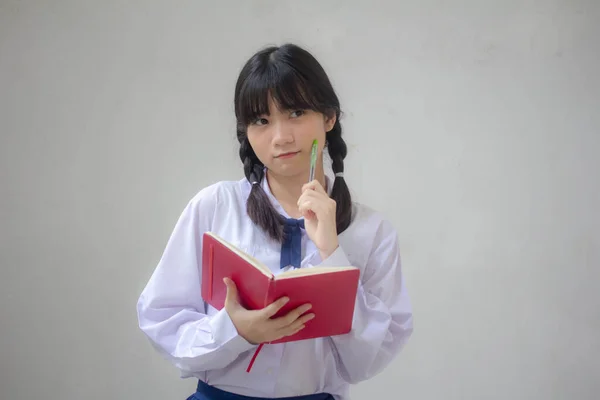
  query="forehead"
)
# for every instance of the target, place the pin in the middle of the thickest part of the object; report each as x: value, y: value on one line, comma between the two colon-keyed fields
x: 260, y: 96
x: 275, y: 107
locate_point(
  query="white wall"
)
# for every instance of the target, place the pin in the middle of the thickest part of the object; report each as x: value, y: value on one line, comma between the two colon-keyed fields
x: 476, y: 122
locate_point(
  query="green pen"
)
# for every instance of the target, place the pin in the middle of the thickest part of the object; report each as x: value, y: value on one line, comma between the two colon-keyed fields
x: 313, y: 161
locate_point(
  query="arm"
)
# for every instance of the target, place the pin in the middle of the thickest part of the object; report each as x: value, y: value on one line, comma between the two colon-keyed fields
x: 170, y: 309
x: 383, y: 316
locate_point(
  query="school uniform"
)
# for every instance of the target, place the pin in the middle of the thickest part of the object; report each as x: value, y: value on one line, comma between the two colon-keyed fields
x: 203, y: 342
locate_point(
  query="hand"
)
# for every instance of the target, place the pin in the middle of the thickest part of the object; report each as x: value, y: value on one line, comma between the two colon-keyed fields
x: 258, y: 326
x: 319, y: 211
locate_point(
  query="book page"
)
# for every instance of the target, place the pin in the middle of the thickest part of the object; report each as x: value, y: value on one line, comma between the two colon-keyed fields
x: 257, y: 264
x: 311, y: 271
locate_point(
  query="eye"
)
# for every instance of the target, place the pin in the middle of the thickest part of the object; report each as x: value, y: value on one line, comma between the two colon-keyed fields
x: 260, y: 121
x: 297, y: 113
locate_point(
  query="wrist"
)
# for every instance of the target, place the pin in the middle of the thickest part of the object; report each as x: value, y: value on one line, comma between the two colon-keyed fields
x: 325, y: 254
x: 242, y: 332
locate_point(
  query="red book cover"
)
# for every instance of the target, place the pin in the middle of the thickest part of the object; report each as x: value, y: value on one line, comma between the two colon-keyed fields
x: 330, y: 290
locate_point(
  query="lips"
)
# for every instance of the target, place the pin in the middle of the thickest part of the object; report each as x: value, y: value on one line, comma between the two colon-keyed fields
x: 287, y: 155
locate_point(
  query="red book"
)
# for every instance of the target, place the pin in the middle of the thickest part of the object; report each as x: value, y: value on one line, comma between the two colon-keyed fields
x: 330, y: 290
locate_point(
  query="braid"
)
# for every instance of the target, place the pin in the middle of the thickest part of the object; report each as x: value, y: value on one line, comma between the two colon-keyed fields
x: 340, y: 191
x: 259, y: 207
x: 253, y: 168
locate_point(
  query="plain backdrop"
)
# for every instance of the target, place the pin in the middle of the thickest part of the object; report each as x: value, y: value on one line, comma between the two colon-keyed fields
x: 473, y: 125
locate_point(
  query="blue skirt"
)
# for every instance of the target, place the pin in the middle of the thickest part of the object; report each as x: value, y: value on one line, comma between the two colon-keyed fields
x: 207, y: 392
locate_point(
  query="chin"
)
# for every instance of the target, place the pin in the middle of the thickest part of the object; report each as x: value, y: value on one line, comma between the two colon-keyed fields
x: 285, y: 172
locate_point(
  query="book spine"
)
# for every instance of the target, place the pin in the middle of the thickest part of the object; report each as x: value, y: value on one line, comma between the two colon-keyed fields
x: 270, y: 293
x: 210, y: 271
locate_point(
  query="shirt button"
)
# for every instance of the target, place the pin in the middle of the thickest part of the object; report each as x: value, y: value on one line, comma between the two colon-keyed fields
x: 270, y: 371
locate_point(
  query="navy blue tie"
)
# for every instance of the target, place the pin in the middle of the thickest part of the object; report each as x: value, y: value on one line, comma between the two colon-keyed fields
x: 291, y: 248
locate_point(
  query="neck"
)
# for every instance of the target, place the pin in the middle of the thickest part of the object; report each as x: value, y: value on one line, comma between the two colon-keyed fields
x: 287, y: 190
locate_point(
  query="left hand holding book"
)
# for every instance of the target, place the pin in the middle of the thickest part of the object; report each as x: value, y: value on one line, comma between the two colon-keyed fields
x: 259, y: 326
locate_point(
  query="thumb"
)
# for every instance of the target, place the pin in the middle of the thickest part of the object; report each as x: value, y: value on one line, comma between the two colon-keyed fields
x: 231, y: 298
x: 309, y: 215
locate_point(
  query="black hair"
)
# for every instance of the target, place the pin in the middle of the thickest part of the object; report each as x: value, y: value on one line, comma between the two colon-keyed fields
x: 295, y: 80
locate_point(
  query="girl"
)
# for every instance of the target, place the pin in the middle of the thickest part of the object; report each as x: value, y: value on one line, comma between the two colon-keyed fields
x: 283, y: 101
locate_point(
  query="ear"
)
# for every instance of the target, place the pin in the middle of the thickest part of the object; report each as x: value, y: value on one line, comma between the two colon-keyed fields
x: 330, y: 121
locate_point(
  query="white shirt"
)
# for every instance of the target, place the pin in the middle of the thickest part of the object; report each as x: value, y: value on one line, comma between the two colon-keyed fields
x: 203, y: 342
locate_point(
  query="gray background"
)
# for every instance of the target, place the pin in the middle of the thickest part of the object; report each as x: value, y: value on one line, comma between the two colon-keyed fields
x: 476, y: 123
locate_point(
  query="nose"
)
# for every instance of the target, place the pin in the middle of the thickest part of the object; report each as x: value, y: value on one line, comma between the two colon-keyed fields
x: 282, y: 133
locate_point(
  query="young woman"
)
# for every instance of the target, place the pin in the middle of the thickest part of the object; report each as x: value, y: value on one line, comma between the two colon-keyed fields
x: 283, y: 101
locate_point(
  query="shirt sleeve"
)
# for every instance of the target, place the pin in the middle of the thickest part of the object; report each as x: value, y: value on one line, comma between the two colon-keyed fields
x: 382, y: 321
x: 170, y: 309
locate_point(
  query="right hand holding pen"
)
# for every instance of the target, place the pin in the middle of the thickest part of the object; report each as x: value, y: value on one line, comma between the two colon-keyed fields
x: 258, y: 326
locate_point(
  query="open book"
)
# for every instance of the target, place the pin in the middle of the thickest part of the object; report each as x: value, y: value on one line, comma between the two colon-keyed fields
x: 330, y: 290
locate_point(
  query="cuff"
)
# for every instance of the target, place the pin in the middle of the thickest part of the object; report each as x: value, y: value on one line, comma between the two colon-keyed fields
x: 336, y: 259
x: 225, y: 334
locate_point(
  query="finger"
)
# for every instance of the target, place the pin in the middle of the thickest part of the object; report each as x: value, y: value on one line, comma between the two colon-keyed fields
x: 308, y: 215
x: 314, y: 185
x: 301, y: 321
x: 286, y: 332
x: 296, y: 326
x: 292, y: 316
x: 274, y: 307
x: 314, y: 196
x: 312, y: 203
x: 318, y: 207
x: 231, y: 297
x: 294, y: 331
x: 309, y: 185
x: 305, y: 205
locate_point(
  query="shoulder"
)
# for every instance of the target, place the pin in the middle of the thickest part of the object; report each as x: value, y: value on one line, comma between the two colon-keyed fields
x: 216, y: 200
x: 219, y: 201
x: 371, y: 242
x: 370, y: 235
x: 220, y: 193
x: 368, y: 219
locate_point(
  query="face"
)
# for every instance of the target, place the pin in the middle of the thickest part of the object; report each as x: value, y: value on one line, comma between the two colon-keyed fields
x: 283, y: 140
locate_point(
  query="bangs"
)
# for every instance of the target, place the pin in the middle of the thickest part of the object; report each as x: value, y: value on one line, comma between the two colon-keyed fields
x: 288, y: 89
